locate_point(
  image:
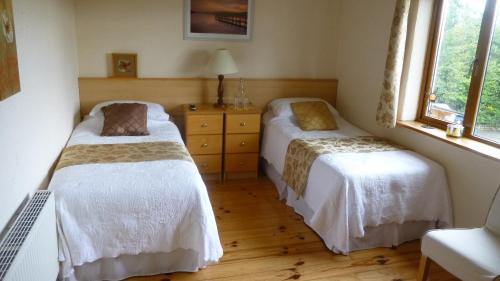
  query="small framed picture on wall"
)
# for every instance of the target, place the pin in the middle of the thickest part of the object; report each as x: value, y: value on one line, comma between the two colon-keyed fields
x: 218, y: 19
x: 124, y: 65
x: 10, y: 83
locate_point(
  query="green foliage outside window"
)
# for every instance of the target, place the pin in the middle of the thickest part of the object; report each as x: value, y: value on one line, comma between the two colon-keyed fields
x: 456, y: 56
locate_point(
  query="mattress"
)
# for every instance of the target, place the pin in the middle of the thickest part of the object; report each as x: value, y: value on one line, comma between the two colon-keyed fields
x: 114, y: 215
x: 350, y: 193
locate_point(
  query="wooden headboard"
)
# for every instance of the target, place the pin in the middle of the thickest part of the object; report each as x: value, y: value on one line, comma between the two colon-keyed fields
x: 172, y: 92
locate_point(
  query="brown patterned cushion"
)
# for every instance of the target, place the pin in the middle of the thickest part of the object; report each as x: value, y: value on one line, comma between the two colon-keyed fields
x: 125, y: 119
x: 313, y: 115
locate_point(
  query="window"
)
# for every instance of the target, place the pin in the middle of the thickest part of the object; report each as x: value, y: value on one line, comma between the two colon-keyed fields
x: 462, y: 79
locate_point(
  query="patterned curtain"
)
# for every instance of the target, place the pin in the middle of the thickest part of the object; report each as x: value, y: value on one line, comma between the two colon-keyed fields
x: 388, y: 104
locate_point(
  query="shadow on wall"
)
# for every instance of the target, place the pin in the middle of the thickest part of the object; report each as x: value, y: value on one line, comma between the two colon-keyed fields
x: 109, y: 64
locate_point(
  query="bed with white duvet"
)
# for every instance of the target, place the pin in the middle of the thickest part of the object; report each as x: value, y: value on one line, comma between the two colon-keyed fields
x: 127, y: 219
x: 358, y: 201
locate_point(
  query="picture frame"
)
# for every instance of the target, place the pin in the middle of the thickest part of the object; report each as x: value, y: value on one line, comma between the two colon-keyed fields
x: 124, y: 65
x: 218, y: 19
x: 10, y: 83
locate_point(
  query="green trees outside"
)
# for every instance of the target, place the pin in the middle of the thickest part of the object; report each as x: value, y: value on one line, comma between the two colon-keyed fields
x: 489, y: 108
x: 456, y: 56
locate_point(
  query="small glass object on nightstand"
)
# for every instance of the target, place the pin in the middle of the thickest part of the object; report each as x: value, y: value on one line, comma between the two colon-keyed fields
x: 241, y: 101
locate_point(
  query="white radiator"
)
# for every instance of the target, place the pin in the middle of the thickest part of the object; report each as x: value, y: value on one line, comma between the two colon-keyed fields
x: 28, y: 250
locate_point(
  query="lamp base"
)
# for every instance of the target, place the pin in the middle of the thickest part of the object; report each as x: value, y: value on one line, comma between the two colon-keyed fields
x: 218, y: 105
x: 220, y: 92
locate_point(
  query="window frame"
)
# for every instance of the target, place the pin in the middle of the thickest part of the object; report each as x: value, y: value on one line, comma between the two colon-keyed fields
x: 478, y: 69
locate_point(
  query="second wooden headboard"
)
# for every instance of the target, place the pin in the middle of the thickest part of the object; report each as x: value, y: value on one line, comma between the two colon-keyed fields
x: 172, y: 92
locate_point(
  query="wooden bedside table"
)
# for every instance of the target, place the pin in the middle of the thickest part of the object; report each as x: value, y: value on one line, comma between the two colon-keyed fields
x: 241, y: 143
x: 203, y: 133
x: 223, y: 142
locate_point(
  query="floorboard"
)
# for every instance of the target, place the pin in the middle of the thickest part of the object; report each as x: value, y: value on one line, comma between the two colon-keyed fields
x: 263, y: 239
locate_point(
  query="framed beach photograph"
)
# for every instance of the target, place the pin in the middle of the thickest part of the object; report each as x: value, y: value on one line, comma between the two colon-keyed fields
x: 9, y: 69
x: 218, y: 19
x: 124, y: 65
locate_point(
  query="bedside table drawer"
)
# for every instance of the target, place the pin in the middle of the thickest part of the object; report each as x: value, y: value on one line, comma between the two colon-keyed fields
x: 208, y: 164
x: 242, y: 143
x: 203, y: 124
x: 242, y: 123
x: 241, y: 162
x: 204, y: 144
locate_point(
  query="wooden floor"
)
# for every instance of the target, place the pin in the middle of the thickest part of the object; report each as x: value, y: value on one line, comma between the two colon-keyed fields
x: 263, y: 239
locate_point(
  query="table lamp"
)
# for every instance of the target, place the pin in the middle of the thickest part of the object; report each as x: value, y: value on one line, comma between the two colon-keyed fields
x: 221, y: 63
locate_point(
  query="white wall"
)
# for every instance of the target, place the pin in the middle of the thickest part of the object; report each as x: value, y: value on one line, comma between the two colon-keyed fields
x: 36, y: 123
x: 291, y: 38
x: 364, y: 38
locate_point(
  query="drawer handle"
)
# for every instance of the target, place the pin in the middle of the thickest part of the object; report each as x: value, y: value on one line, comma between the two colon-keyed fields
x: 204, y: 125
x: 242, y: 163
x: 243, y: 124
x: 204, y: 165
x: 243, y: 143
x: 204, y: 145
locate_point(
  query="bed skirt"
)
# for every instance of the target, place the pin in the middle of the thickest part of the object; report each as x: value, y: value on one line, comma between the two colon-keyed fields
x: 126, y: 266
x: 386, y: 235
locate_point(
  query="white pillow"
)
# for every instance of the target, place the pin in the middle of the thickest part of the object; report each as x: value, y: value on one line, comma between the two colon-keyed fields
x: 155, y: 111
x: 282, y: 108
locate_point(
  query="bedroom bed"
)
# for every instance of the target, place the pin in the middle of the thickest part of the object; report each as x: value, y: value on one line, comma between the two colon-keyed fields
x: 143, y: 215
x: 356, y: 200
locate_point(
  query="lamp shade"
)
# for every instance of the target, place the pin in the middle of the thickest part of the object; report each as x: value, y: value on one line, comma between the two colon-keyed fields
x: 222, y: 63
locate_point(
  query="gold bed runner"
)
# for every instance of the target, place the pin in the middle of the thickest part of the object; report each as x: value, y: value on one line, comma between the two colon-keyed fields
x: 301, y: 154
x: 122, y: 153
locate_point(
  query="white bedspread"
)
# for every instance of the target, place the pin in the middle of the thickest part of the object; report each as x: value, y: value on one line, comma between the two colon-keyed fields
x: 350, y: 191
x: 108, y: 210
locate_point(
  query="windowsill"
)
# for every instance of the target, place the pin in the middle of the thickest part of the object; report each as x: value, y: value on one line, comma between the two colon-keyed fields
x: 465, y: 143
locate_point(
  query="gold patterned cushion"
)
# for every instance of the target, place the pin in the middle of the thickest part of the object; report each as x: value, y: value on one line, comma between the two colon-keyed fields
x: 125, y: 119
x: 313, y: 116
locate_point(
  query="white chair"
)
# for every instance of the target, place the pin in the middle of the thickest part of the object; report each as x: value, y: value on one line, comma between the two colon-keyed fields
x: 469, y: 254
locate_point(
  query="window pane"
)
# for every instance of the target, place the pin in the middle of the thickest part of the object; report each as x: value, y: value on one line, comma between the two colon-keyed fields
x: 488, y: 117
x: 456, y: 53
